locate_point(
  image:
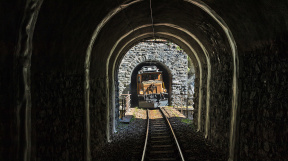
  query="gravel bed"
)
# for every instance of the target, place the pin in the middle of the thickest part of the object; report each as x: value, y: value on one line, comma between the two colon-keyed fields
x: 193, y: 144
x: 127, y: 144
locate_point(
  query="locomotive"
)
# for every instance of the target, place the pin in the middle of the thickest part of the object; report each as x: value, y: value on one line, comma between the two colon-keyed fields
x: 150, y: 88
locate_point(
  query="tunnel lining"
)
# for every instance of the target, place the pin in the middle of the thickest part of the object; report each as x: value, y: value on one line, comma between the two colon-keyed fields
x: 87, y: 88
x: 235, y: 98
x: 134, y: 60
x: 253, y: 45
x: 23, y: 64
x: 158, y: 63
x: 131, y: 31
x: 150, y: 36
x: 232, y: 44
x: 207, y: 124
x: 87, y: 79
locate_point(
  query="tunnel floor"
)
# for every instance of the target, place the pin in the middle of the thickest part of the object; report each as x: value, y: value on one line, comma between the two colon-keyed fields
x: 128, y: 142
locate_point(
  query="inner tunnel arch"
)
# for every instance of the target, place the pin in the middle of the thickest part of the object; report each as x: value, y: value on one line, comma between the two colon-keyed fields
x: 234, y: 55
x: 57, y: 46
x: 55, y: 70
x: 192, y: 53
x: 164, y: 53
x: 173, y: 38
x: 164, y: 36
x: 167, y: 78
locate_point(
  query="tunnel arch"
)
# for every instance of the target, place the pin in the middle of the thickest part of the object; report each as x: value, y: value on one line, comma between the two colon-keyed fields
x: 247, y: 33
x: 167, y: 77
x: 137, y: 55
x: 167, y: 36
x: 23, y: 101
x: 87, y: 73
x: 207, y: 61
x: 150, y: 36
x: 178, y: 40
x: 209, y: 72
x: 143, y: 59
x: 150, y: 33
x: 234, y: 76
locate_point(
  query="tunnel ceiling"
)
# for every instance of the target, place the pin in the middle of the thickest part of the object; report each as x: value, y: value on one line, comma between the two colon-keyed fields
x: 137, y: 18
x: 71, y: 26
x: 78, y: 45
x: 171, y: 37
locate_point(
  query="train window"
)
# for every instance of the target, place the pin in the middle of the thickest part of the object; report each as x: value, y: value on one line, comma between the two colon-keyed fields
x: 144, y: 77
x: 154, y: 76
x: 147, y: 77
x: 139, y: 79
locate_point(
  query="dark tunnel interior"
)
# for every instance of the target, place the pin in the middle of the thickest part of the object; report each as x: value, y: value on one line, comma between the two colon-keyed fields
x: 59, y: 61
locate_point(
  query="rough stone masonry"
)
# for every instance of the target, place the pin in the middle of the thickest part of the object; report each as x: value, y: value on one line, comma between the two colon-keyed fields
x: 167, y: 54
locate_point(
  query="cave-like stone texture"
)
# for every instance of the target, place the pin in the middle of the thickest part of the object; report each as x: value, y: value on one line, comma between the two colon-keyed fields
x: 58, y: 85
x: 162, y: 53
x: 263, y: 117
x: 64, y: 121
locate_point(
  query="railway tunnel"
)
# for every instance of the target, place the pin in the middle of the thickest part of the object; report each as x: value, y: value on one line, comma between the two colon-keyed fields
x: 58, y: 62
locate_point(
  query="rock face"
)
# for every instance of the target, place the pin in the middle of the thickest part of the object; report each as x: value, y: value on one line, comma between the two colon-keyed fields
x: 57, y: 65
x: 64, y: 120
x: 263, y: 124
x: 167, y: 54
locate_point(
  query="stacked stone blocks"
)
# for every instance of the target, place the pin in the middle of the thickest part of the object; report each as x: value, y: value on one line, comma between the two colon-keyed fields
x: 165, y: 53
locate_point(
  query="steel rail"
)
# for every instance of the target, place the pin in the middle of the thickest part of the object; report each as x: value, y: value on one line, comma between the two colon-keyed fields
x: 174, y: 136
x: 147, y: 135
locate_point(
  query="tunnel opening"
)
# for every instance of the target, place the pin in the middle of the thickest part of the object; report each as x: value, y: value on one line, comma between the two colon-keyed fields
x: 166, y: 75
x: 94, y: 81
x: 62, y: 53
x: 131, y: 71
x: 177, y: 67
x: 200, y: 57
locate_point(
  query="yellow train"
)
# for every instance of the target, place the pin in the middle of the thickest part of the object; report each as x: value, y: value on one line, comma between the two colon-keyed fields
x: 150, y: 88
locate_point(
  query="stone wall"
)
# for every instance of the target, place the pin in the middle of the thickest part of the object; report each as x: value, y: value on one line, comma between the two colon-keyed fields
x: 6, y: 108
x: 221, y: 90
x: 169, y: 54
x: 264, y: 114
x: 9, y: 32
x: 215, y: 125
x: 221, y: 101
x: 57, y: 116
x: 98, y: 112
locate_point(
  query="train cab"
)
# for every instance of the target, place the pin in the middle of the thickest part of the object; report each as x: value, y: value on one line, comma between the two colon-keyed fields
x: 150, y: 88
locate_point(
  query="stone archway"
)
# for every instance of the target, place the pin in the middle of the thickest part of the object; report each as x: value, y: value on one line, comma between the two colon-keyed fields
x: 167, y: 78
x: 245, y: 95
x: 162, y: 53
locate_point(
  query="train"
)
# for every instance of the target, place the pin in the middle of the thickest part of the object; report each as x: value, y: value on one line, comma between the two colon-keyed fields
x: 151, y: 88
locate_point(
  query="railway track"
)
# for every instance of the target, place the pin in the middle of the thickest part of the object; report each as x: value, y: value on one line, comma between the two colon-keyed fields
x: 161, y: 142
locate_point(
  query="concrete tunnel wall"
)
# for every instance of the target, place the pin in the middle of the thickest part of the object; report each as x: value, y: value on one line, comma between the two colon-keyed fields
x: 57, y: 51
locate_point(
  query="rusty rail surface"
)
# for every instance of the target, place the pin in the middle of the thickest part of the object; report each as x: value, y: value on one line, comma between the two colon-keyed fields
x: 174, y: 136
x: 147, y: 135
x: 171, y: 130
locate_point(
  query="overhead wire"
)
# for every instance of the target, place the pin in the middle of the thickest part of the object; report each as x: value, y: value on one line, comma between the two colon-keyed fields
x: 152, y: 21
x: 125, y: 15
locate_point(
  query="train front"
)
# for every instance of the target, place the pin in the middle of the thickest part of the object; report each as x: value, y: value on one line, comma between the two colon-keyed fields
x: 150, y: 88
